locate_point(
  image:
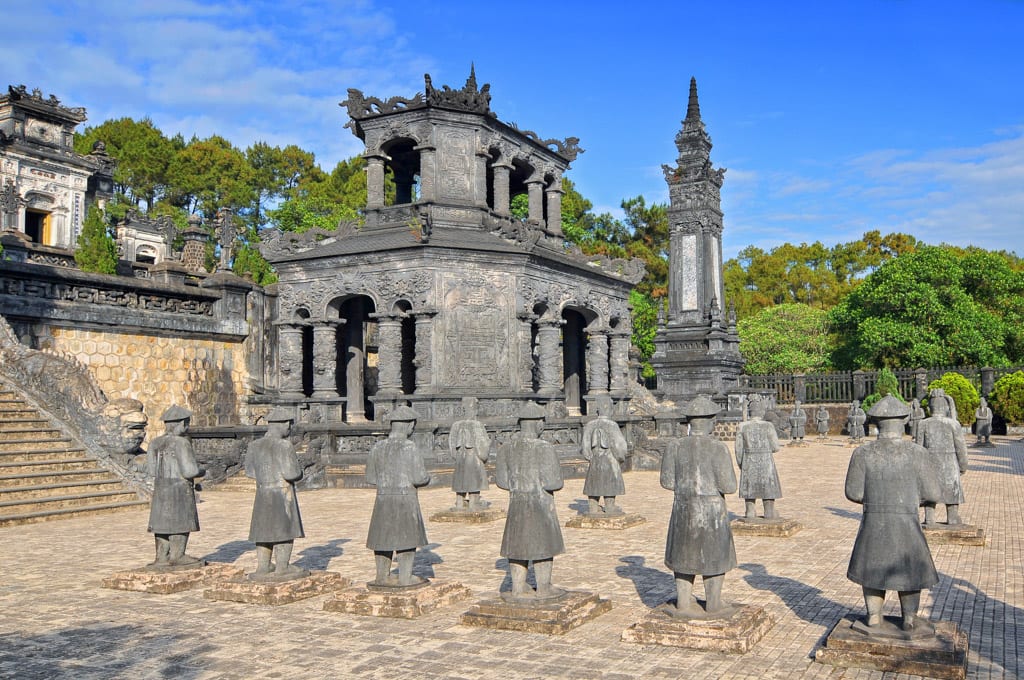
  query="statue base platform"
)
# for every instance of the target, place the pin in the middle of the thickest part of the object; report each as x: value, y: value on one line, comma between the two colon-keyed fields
x: 759, y: 526
x: 942, y: 655
x: 736, y: 632
x: 797, y: 442
x: 277, y: 592
x: 552, y: 617
x: 953, y: 534
x: 602, y: 520
x: 407, y: 602
x: 468, y: 516
x: 166, y: 580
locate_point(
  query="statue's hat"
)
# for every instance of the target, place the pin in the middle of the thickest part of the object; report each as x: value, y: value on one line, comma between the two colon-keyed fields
x: 281, y: 414
x: 175, y: 414
x: 531, y: 411
x: 701, y: 407
x: 889, y: 407
x: 403, y: 414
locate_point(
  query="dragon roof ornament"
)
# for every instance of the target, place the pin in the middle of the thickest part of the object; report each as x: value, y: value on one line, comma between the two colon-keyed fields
x: 20, y: 93
x: 567, y: 148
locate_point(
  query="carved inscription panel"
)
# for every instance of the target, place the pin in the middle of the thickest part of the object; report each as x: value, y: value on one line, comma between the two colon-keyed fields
x: 455, y: 168
x: 477, y: 330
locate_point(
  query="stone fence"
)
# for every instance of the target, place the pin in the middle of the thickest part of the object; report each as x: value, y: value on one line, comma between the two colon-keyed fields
x: 845, y: 386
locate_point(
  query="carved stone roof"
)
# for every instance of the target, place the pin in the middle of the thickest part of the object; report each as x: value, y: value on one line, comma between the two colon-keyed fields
x: 35, y: 102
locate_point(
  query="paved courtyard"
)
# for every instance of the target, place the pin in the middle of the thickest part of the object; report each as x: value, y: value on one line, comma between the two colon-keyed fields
x: 57, y: 621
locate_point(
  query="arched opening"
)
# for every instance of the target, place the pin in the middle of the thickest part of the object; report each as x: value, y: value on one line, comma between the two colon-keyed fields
x: 351, y: 366
x: 145, y: 255
x: 404, y: 167
x: 574, y: 361
x: 37, y: 226
x: 517, y: 191
x: 407, y: 369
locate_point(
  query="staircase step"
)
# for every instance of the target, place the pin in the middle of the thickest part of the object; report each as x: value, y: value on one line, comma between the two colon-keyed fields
x: 20, y: 415
x: 93, y: 474
x: 59, y: 444
x: 47, y: 515
x: 60, y: 501
x: 19, y: 434
x: 64, y: 453
x: 52, y: 465
x: 28, y: 491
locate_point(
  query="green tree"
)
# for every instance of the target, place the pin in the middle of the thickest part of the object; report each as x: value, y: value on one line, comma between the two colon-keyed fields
x: 1007, y: 398
x: 933, y: 307
x: 210, y: 174
x: 278, y: 173
x: 97, y: 250
x: 645, y: 325
x: 787, y: 338
x: 886, y: 383
x: 963, y: 393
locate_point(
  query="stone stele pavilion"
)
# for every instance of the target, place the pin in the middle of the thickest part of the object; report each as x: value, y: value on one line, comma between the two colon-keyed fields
x: 441, y: 292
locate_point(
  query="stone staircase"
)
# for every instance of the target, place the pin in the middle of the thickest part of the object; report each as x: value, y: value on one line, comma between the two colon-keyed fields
x: 45, y: 474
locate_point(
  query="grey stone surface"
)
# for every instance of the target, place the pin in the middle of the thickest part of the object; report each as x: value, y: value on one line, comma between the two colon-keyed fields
x: 275, y: 522
x: 755, y: 447
x: 821, y: 418
x: 943, y: 437
x: 855, y: 420
x: 604, y: 447
x: 890, y: 478
x: 983, y: 422
x: 798, y: 423
x: 172, y: 513
x: 470, y: 446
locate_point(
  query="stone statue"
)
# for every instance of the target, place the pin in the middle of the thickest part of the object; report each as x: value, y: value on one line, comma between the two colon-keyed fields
x: 916, y: 416
x: 755, y: 444
x: 172, y: 512
x: 890, y: 478
x: 983, y: 422
x: 469, y: 445
x: 943, y: 437
x: 605, y: 448
x: 276, y: 522
x: 395, y: 467
x: 855, y: 420
x: 698, y: 470
x: 528, y: 469
x: 798, y: 423
x: 821, y: 419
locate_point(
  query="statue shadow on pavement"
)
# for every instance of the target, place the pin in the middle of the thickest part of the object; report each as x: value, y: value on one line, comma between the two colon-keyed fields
x: 426, y: 558
x: 229, y: 552
x: 320, y: 556
x: 654, y: 586
x: 845, y: 514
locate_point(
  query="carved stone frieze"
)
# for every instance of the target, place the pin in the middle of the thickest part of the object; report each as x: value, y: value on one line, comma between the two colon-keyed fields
x: 413, y: 286
x: 128, y: 299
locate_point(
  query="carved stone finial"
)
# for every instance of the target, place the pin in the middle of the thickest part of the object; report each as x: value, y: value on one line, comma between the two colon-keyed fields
x: 692, y: 106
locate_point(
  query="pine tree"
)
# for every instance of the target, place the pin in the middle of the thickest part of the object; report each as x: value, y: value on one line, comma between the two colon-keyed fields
x: 97, y: 251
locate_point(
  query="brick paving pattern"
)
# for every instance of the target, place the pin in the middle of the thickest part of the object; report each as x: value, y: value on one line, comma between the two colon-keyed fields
x: 58, y: 622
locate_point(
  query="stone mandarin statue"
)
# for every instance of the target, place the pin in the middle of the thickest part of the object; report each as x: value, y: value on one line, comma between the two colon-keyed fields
x: 528, y: 469
x: 855, y: 420
x: 821, y: 419
x: 983, y: 422
x: 943, y: 437
x: 470, y: 446
x: 798, y: 423
x: 605, y: 448
x: 395, y: 466
x: 890, y: 478
x: 916, y: 416
x: 172, y: 514
x: 276, y: 522
x: 698, y: 470
x: 755, y: 445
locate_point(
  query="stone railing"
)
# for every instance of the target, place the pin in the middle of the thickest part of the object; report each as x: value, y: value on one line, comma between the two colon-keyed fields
x: 845, y: 386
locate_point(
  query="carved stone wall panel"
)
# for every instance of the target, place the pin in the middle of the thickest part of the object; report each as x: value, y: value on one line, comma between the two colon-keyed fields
x: 479, y: 330
x: 455, y: 153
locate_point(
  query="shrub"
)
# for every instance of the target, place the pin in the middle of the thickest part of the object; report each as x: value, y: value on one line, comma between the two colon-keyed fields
x: 887, y: 383
x: 97, y: 250
x: 963, y: 393
x: 1007, y: 398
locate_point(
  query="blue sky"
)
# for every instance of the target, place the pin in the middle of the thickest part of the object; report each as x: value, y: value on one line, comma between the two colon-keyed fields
x: 832, y: 118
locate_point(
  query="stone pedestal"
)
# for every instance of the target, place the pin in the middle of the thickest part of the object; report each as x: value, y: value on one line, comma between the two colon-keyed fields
x: 614, y: 521
x: 468, y: 516
x: 943, y: 655
x: 282, y: 592
x: 407, y: 602
x: 759, y: 526
x: 735, y: 633
x: 170, y: 580
x: 553, y: 617
x: 953, y: 534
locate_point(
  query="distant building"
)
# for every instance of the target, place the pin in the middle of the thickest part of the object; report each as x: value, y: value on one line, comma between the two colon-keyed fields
x: 45, y: 187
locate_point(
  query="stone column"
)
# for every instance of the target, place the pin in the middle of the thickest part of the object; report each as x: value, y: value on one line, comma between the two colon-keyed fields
x: 859, y: 387
x: 800, y: 387
x: 480, y: 183
x: 921, y: 379
x: 374, y: 181
x: 424, y: 349
x: 501, y: 197
x: 597, y: 361
x: 289, y: 360
x: 554, y: 196
x: 428, y: 172
x: 549, y: 356
x: 535, y: 189
x: 988, y: 381
x: 526, y: 361
x: 618, y: 361
x: 389, y: 354
x: 325, y: 358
